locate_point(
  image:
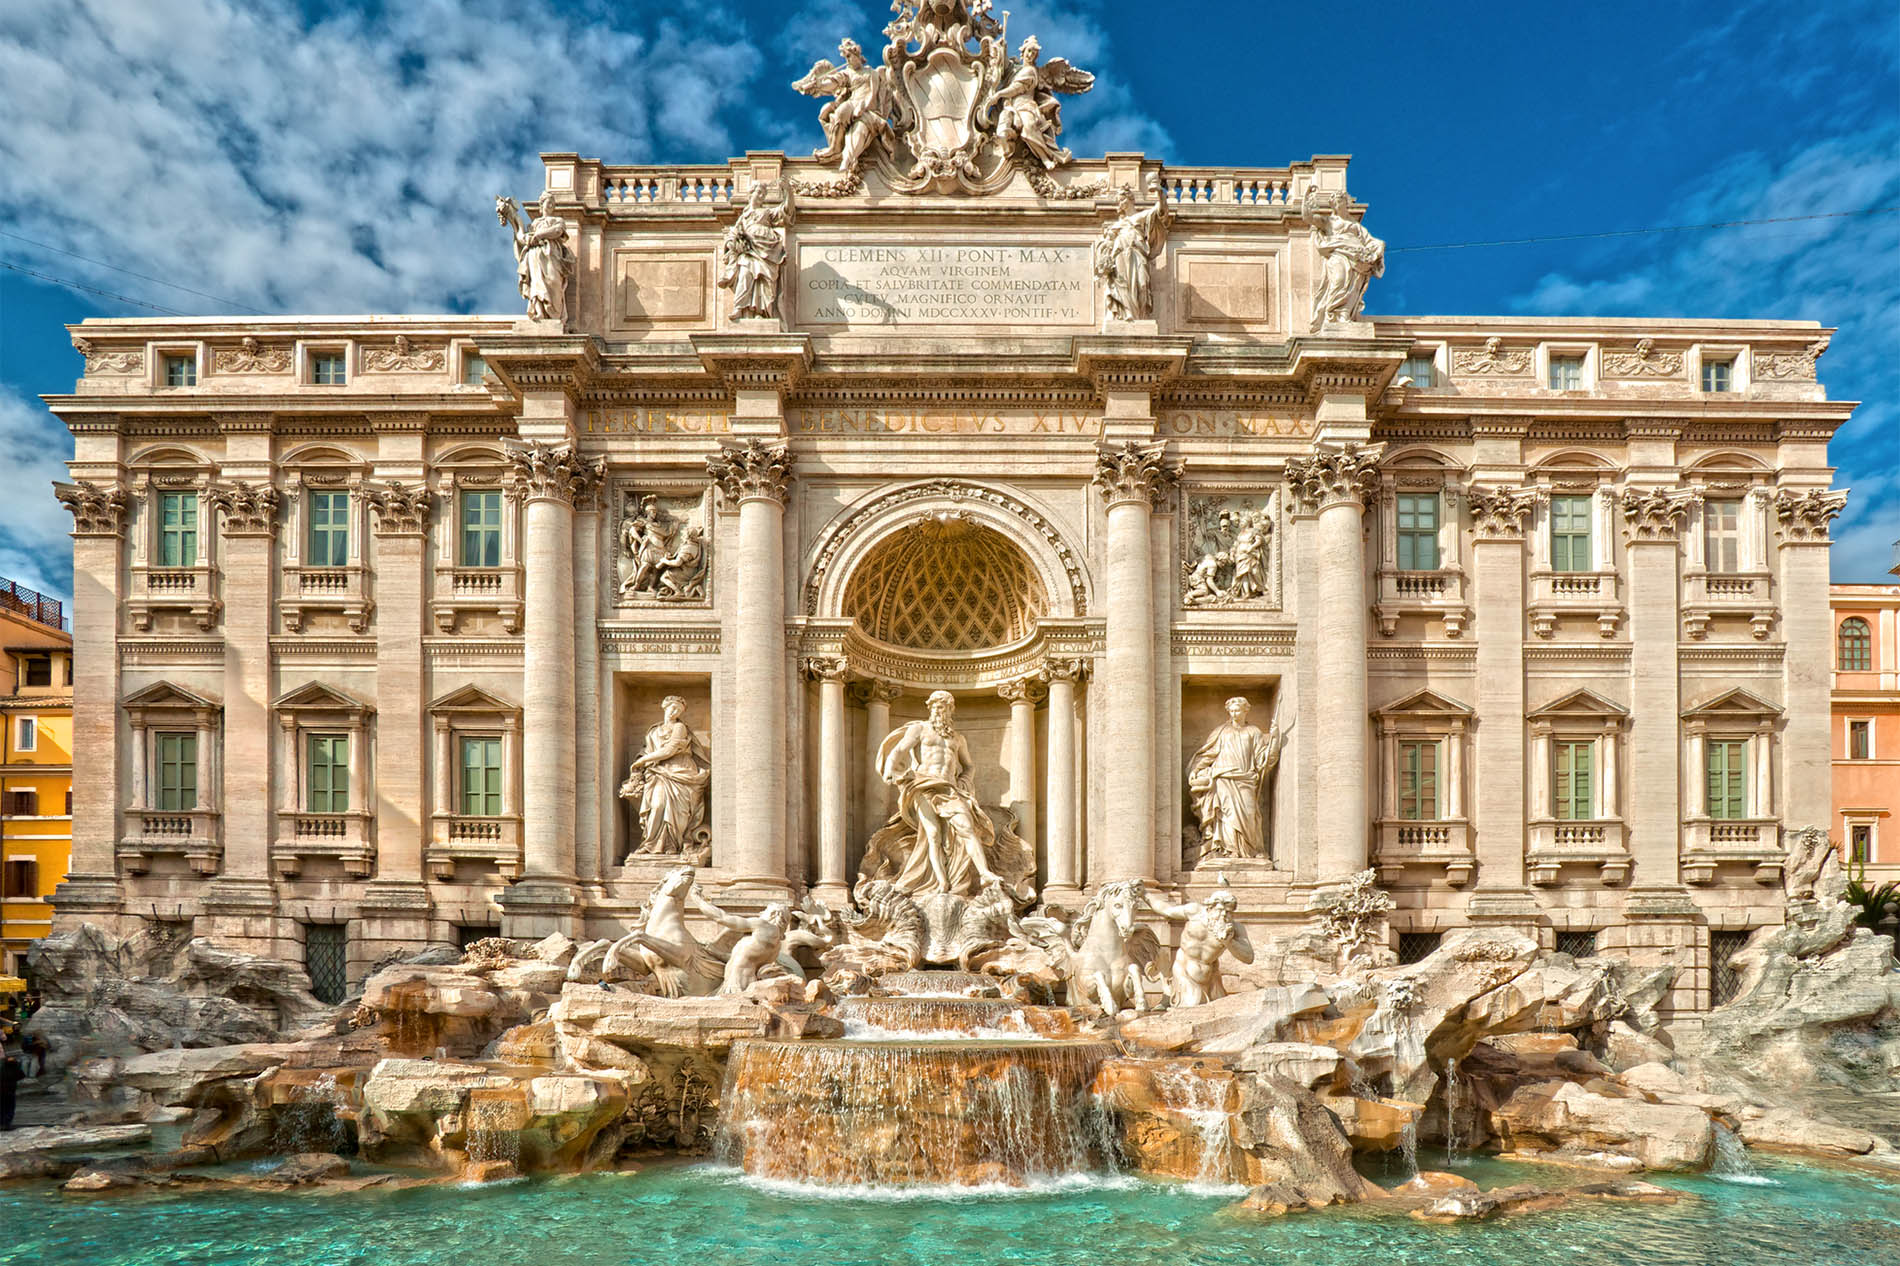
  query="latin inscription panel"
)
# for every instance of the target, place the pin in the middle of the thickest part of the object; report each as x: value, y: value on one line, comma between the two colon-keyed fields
x: 968, y: 284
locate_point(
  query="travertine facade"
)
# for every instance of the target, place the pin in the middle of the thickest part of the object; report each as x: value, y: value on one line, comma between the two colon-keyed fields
x: 1506, y: 630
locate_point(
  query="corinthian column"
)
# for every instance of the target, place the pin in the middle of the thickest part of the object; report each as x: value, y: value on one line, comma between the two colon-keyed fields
x: 1059, y: 845
x: 758, y: 475
x: 834, y: 759
x: 1020, y: 752
x: 1135, y: 480
x: 548, y: 479
x: 1337, y: 483
x: 1807, y: 626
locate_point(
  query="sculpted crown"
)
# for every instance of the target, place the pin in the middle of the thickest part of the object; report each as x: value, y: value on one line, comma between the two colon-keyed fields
x: 96, y: 510
x: 1331, y: 476
x: 553, y: 472
x: 1500, y: 512
x: 399, y: 510
x: 1135, y: 472
x: 1655, y: 514
x: 248, y: 509
x: 1804, y: 516
x: 753, y: 470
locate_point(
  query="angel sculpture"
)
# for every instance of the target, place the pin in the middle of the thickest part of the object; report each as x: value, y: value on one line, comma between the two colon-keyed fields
x: 860, y: 111
x: 753, y: 253
x: 1029, y: 110
x: 544, y: 262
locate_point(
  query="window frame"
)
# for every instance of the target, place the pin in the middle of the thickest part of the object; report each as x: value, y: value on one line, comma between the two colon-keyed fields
x: 1567, y: 359
x: 1711, y: 365
x: 182, y: 532
x: 27, y: 664
x: 1572, y: 789
x: 1862, y: 644
x: 1414, y: 780
x: 183, y: 795
x: 28, y: 890
x: 1562, y: 504
x: 1732, y: 805
x: 1733, y: 537
x: 180, y: 361
x: 336, y: 798
x: 464, y: 496
x: 337, y: 522
x: 1862, y: 728
x: 1428, y: 359
x: 1413, y: 535
x: 26, y: 734
x: 1859, y: 833
x: 494, y: 775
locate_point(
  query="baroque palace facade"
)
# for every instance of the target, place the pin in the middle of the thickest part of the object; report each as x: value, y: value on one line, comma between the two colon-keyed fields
x: 374, y: 616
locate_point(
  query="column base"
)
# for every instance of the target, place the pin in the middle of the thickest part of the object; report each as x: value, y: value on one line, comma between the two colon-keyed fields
x: 834, y: 894
x: 535, y: 907
x: 1068, y: 896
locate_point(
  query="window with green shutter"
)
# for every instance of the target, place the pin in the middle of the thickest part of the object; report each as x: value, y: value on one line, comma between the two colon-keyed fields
x: 1728, y: 778
x: 1570, y: 534
x: 1418, y: 781
x: 481, y: 777
x: 1722, y: 534
x: 481, y: 529
x: 329, y: 782
x: 178, y: 529
x: 1571, y: 779
x: 1418, y: 531
x: 329, y: 529
x: 177, y: 771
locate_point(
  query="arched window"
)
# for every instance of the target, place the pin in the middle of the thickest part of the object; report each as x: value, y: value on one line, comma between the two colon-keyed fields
x: 1856, y: 646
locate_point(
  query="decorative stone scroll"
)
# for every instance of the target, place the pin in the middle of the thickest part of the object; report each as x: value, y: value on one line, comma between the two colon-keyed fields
x: 1331, y: 476
x: 1135, y: 472
x: 1655, y: 514
x: 1642, y: 362
x: 402, y: 355
x: 1787, y: 366
x: 1804, y: 516
x: 1227, y: 552
x: 754, y: 470
x: 1499, y: 513
x: 400, y: 510
x: 251, y: 357
x: 665, y: 549
x: 247, y: 509
x: 97, y: 510
x: 557, y: 472
x: 1492, y: 358
x: 98, y: 362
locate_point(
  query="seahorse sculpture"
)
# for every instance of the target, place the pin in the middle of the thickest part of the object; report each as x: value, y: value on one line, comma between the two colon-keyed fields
x: 887, y: 919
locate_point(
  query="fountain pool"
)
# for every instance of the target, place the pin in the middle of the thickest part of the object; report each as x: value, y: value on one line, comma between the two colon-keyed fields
x: 715, y: 1217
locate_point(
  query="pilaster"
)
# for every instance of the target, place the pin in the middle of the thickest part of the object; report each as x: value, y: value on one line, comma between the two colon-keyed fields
x: 1653, y: 518
x: 1807, y: 625
x: 1497, y: 562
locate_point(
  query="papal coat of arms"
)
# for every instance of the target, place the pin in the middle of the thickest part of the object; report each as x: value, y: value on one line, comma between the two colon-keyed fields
x: 947, y: 108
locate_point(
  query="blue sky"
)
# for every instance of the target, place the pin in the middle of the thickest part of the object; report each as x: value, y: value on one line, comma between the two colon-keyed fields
x: 316, y: 157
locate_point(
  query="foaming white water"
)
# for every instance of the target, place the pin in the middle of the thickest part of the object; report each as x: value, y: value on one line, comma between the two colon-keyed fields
x: 1056, y: 1185
x: 863, y: 1031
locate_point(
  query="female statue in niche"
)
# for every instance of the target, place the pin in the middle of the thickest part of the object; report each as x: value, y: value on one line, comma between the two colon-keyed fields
x: 1125, y: 252
x: 753, y: 253
x: 668, y: 782
x: 1226, y: 777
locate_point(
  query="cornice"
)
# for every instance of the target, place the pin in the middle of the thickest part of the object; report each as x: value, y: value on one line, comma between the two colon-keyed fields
x: 754, y: 362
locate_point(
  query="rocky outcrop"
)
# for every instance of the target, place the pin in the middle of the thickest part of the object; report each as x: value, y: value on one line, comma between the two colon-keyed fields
x: 441, y: 1114
x: 1566, y: 1119
x: 1230, y: 1025
x: 46, y: 1151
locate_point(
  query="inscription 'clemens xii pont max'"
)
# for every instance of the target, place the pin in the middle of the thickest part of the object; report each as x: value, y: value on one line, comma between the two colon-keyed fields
x: 944, y: 285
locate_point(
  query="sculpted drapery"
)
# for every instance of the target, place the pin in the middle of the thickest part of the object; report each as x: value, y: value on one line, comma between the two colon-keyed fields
x: 670, y: 778
x: 1226, y: 776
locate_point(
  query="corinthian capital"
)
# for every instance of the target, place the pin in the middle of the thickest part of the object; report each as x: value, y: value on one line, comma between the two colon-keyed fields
x: 1499, y: 513
x: 553, y: 472
x: 1135, y: 472
x: 1655, y: 514
x: 96, y: 510
x: 1804, y: 516
x: 755, y: 470
x: 1335, y: 476
x: 248, y: 509
x: 400, y: 510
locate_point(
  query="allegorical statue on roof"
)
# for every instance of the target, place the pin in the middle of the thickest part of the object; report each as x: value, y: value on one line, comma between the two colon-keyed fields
x: 858, y: 115
x: 1350, y: 258
x: 1125, y: 252
x: 753, y: 252
x: 1027, y: 109
x: 544, y: 262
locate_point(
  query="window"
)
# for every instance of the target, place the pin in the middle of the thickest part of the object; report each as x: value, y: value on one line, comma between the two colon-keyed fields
x: 1570, y: 534
x: 1722, y: 534
x: 1419, y: 368
x: 181, y: 371
x: 1418, y: 531
x: 1728, y: 778
x: 466, y: 934
x: 1418, y: 781
x: 1571, y: 779
x: 481, y: 777
x: 1416, y: 947
x: 1724, y: 981
x: 1860, y: 740
x: 329, y: 529
x: 1577, y: 944
x: 177, y: 774
x: 23, y: 804
x: 1855, y: 645
x: 1860, y: 843
x: 26, y: 734
x: 178, y: 529
x: 326, y: 959
x: 1718, y: 375
x: 481, y: 529
x: 329, y: 785
x: 1566, y: 373
x: 22, y: 878
x: 474, y: 369
x: 38, y: 671
x: 326, y: 369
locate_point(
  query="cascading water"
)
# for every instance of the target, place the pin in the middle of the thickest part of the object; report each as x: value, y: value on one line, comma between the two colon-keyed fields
x: 1202, y: 1101
x: 916, y: 1018
x: 1732, y: 1163
x: 309, y: 1122
x: 1454, y: 1110
x: 491, y: 1136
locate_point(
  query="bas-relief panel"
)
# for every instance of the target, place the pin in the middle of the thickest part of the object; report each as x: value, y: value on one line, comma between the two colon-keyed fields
x: 1229, y: 552
x: 663, y: 548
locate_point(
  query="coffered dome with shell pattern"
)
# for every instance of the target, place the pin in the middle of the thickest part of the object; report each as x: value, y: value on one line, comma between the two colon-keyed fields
x: 945, y: 584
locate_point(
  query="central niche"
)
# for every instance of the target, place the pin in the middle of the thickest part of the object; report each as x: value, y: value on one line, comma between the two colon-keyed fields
x: 945, y: 583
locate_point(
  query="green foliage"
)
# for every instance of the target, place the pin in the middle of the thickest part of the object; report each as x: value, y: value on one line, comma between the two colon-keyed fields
x: 1877, y: 905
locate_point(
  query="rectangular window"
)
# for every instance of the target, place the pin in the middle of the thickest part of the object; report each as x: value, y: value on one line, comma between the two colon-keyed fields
x: 1566, y: 373
x: 1724, y: 980
x: 481, y: 529
x: 1418, y: 781
x: 481, y: 777
x: 1860, y: 842
x: 474, y: 369
x: 329, y: 529
x: 1718, y: 375
x: 326, y: 369
x: 1722, y: 534
x: 181, y: 371
x: 1416, y: 947
x: 22, y: 878
x: 1577, y: 944
x: 1418, y: 531
x: 178, y: 529
x: 326, y: 959
x: 329, y: 784
x: 177, y: 772
x: 23, y: 804
x: 38, y: 671
x: 26, y: 734
x: 1420, y: 369
x: 1571, y: 781
x: 1728, y: 778
x: 1860, y: 740
x: 1570, y: 534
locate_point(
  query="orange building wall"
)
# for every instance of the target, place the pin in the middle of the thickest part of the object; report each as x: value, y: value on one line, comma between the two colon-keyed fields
x: 1868, y: 791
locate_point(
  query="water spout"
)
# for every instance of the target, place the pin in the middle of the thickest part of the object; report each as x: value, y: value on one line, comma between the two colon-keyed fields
x: 1732, y: 1162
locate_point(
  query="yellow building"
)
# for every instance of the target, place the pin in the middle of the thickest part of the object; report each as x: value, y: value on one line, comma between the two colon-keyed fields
x: 36, y: 766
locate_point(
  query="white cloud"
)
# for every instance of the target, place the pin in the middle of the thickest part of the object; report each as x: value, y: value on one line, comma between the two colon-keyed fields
x: 34, y: 547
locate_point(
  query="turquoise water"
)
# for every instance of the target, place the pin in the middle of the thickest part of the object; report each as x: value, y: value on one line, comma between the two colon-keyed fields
x: 702, y: 1216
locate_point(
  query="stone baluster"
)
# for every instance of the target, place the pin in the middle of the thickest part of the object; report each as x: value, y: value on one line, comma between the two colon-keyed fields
x: 834, y: 759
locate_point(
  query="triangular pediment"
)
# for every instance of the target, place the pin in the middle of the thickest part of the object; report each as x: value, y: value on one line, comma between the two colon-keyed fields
x: 1424, y: 703
x: 164, y: 694
x: 1736, y: 703
x: 317, y: 696
x: 1578, y: 703
x: 472, y: 699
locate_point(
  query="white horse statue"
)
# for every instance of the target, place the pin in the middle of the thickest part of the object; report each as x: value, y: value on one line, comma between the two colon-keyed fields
x: 1111, y: 958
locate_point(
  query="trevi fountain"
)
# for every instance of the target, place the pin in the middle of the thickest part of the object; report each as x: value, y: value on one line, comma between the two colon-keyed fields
x: 954, y: 1029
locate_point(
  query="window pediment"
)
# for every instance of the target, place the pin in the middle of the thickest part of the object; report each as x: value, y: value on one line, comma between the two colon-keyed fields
x: 1733, y: 705
x: 317, y: 697
x: 1579, y: 705
x: 163, y: 694
x: 1422, y: 706
x: 474, y: 700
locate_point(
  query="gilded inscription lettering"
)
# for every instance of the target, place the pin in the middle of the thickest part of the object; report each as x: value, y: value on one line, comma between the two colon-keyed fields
x: 889, y: 422
x: 653, y: 422
x: 1188, y: 423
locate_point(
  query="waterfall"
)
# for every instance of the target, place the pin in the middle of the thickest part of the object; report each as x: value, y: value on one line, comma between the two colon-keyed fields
x: 490, y: 1136
x: 1454, y: 1106
x: 1201, y: 1101
x: 1408, y: 1149
x: 944, y: 1018
x: 308, y: 1121
x: 1732, y: 1163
